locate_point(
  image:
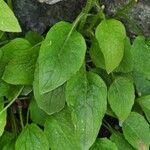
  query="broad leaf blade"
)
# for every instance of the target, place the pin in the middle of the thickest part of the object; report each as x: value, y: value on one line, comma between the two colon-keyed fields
x: 120, y: 141
x: 121, y: 97
x: 145, y: 105
x: 141, y: 56
x: 6, y: 138
x: 37, y: 115
x: 97, y: 55
x: 111, y: 35
x: 60, y: 131
x: 8, y: 21
x: 32, y: 137
x: 50, y: 102
x: 86, y: 94
x: 2, y: 117
x: 20, y: 70
x: 9, y: 50
x: 126, y: 64
x: 136, y: 131
x: 60, y: 50
x: 104, y: 144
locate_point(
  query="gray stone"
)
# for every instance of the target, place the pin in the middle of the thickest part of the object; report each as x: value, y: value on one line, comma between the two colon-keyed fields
x: 37, y: 16
x: 49, y: 1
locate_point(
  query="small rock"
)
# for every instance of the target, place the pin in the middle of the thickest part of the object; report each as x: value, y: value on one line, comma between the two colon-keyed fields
x: 49, y: 1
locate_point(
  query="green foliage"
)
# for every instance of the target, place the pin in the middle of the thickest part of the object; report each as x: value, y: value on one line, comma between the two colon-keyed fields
x: 136, y: 131
x: 121, y: 97
x: 111, y: 35
x: 66, y: 48
x: 54, y: 88
x: 120, y: 141
x: 104, y: 144
x: 32, y: 137
x: 86, y: 95
x: 144, y: 102
x: 2, y: 117
x: 60, y: 131
x: 8, y: 21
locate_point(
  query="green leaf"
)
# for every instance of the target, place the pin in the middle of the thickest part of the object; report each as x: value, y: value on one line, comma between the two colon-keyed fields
x: 2, y: 117
x: 142, y: 84
x: 60, y: 131
x: 50, y: 102
x: 97, y: 55
x: 9, y: 50
x: 8, y: 90
x: 145, y: 105
x: 120, y: 141
x: 121, y: 97
x: 32, y: 137
x: 61, y: 49
x: 104, y: 75
x: 37, y: 115
x: 136, y: 131
x: 111, y: 35
x: 8, y: 21
x: 10, y: 145
x: 141, y: 56
x: 34, y: 37
x: 20, y: 70
x: 126, y: 64
x: 86, y: 94
x: 6, y: 138
x: 104, y: 144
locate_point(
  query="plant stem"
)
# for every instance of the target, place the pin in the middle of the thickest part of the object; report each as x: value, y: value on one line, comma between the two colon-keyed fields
x: 13, y: 122
x: 28, y: 113
x: 85, y: 11
x: 125, y: 8
x: 12, y: 101
x: 20, y: 116
x: 108, y: 127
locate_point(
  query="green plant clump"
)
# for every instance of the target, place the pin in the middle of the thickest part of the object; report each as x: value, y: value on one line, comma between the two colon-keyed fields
x: 83, y: 86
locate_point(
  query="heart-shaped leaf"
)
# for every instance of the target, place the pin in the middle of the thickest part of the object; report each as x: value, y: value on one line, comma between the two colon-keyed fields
x: 61, y: 56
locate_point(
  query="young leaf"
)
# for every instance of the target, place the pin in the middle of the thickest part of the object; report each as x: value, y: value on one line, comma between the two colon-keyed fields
x: 120, y: 141
x: 104, y: 144
x: 86, y: 94
x: 126, y: 64
x: 50, y: 102
x: 136, y: 131
x: 145, y: 105
x: 20, y: 70
x: 8, y: 21
x: 121, y: 97
x: 37, y: 115
x: 61, y: 49
x: 141, y: 56
x: 111, y: 35
x: 32, y: 137
x: 60, y: 131
x: 2, y: 117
